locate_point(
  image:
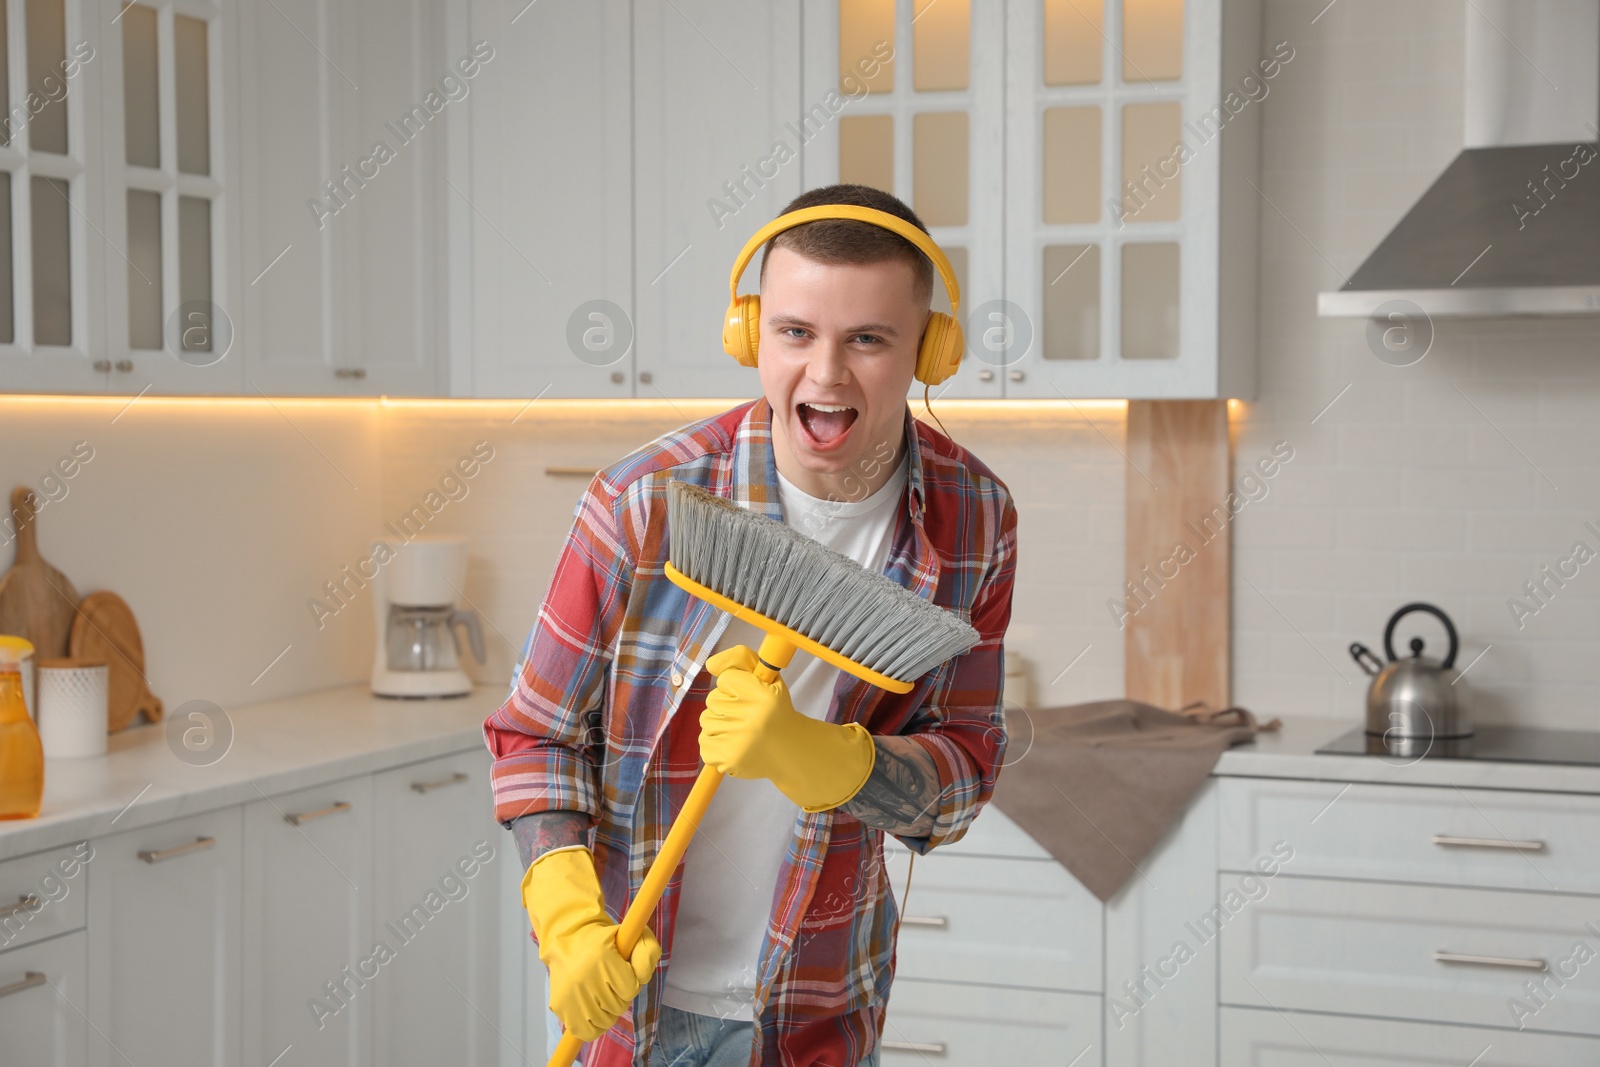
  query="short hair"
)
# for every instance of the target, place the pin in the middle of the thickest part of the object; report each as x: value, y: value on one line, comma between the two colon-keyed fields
x: 850, y: 241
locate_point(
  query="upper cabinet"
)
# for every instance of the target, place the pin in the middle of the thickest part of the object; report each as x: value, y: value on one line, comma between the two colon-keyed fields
x: 1132, y: 132
x: 502, y: 199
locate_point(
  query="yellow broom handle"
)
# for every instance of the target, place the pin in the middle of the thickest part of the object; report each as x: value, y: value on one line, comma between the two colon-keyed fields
x: 775, y: 651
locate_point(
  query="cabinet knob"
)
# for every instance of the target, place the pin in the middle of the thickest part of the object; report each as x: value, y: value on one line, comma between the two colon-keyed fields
x: 103, y: 366
x: 617, y: 377
x: 1017, y: 376
x: 645, y: 378
x: 350, y: 372
x: 124, y: 365
x: 986, y: 376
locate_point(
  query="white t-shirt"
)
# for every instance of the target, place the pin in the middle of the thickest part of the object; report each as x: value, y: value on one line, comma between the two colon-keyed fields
x: 731, y: 868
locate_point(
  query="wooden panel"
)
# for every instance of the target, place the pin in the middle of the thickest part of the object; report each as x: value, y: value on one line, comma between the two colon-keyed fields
x: 1178, y: 544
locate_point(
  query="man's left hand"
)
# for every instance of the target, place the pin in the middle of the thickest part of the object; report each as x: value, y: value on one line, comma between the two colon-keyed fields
x: 750, y: 729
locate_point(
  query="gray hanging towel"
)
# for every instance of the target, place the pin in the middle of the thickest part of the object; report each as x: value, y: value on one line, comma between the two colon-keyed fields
x: 1098, y: 784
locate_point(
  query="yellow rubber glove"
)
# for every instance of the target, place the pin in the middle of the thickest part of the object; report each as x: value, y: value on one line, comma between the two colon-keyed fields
x: 750, y: 729
x: 591, y: 985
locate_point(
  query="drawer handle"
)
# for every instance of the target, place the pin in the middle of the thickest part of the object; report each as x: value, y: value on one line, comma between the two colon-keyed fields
x: 29, y: 980
x: 296, y: 818
x: 936, y: 922
x: 428, y: 787
x: 1451, y: 841
x: 200, y: 844
x: 1491, y: 961
x: 932, y: 1048
x: 26, y: 902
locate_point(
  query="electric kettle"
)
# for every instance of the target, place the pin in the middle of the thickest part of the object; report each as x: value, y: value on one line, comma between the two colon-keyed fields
x: 1416, y: 697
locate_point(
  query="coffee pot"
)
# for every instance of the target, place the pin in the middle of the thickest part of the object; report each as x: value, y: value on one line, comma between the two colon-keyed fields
x: 1415, y: 697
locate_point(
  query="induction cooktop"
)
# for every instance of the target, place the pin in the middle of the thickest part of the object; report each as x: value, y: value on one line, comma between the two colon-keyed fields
x: 1506, y: 744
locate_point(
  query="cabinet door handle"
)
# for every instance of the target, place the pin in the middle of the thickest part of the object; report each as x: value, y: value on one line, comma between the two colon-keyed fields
x: 1451, y: 841
x: 428, y: 787
x: 102, y: 365
x: 124, y: 365
x: 296, y: 818
x: 931, y: 1048
x: 199, y: 844
x: 1491, y: 961
x: 26, y: 902
x: 986, y: 376
x: 29, y: 980
x: 350, y: 372
x: 936, y: 922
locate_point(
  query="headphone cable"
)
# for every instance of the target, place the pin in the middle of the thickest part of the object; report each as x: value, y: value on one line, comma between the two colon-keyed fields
x: 927, y: 405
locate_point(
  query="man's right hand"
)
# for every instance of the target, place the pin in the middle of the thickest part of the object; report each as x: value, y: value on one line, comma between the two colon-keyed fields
x: 591, y: 985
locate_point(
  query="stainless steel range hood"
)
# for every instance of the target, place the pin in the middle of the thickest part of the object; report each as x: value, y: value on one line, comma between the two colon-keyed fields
x: 1510, y: 227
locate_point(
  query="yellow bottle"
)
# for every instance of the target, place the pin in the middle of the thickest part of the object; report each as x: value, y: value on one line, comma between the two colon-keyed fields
x: 21, y: 754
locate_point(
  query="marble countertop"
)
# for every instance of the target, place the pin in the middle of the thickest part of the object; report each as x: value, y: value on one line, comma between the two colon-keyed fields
x: 302, y: 741
x: 1291, y: 753
x: 276, y: 747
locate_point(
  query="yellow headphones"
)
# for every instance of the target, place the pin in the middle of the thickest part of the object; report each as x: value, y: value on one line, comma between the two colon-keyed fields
x: 939, y: 353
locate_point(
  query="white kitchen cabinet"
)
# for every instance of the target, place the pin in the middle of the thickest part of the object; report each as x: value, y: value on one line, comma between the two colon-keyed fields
x: 1493, y: 838
x: 716, y: 88
x: 1160, y: 1000
x: 436, y: 908
x: 974, y: 1026
x: 931, y: 134
x: 42, y: 997
x: 1136, y: 283
x: 1014, y: 128
x: 308, y: 889
x: 1263, y: 1037
x: 540, y: 203
x: 341, y: 133
x: 163, y: 921
x: 1448, y: 954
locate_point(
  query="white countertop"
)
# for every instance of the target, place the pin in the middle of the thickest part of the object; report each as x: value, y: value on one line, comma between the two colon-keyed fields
x: 320, y: 737
x: 1290, y: 753
x: 277, y: 747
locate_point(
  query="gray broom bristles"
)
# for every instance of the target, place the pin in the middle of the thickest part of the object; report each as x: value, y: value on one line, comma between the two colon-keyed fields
x: 769, y: 568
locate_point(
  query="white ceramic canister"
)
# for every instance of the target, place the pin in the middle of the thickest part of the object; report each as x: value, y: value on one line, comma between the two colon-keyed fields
x: 71, y: 702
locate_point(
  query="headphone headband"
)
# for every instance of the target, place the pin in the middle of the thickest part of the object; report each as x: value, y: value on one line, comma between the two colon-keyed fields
x: 854, y: 213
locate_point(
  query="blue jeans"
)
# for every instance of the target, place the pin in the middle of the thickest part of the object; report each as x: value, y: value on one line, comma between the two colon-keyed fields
x: 684, y: 1039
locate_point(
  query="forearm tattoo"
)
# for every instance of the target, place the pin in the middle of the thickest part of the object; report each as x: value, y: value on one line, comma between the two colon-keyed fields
x: 542, y: 831
x: 902, y: 792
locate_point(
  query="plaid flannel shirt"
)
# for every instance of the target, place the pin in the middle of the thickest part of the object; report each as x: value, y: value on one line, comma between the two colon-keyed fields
x: 603, y: 718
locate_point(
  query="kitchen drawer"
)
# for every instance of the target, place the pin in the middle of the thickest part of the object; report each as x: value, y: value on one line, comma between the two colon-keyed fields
x: 992, y: 833
x: 998, y: 922
x: 976, y: 1026
x: 1254, y: 1037
x: 1390, y: 833
x: 1369, y: 948
x: 42, y: 895
x: 41, y: 1003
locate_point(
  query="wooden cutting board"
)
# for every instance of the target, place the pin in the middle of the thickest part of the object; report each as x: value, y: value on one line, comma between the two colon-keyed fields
x: 105, y: 630
x: 36, y: 600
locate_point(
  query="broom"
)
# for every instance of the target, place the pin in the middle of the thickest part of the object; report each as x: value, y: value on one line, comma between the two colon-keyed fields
x: 803, y: 595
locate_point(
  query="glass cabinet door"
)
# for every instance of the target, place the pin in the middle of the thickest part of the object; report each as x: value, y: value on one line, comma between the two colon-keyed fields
x: 918, y: 87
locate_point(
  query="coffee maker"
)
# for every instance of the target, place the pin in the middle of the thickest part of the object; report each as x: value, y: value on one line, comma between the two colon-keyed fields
x: 414, y: 599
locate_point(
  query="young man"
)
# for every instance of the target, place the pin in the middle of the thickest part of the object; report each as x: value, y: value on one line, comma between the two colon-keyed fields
x: 777, y: 939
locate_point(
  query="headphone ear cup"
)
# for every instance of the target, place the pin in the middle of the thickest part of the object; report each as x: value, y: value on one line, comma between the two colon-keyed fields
x: 741, y: 330
x: 940, y: 352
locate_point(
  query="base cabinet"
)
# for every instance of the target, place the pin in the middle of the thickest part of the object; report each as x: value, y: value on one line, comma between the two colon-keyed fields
x: 307, y: 891
x: 976, y: 1026
x: 163, y: 935
x: 1265, y: 1037
x: 438, y: 852
x: 42, y: 999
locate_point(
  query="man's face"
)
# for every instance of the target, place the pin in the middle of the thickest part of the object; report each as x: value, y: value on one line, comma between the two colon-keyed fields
x: 838, y: 352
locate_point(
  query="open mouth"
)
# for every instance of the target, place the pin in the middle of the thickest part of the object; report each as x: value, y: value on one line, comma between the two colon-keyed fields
x: 826, y: 424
